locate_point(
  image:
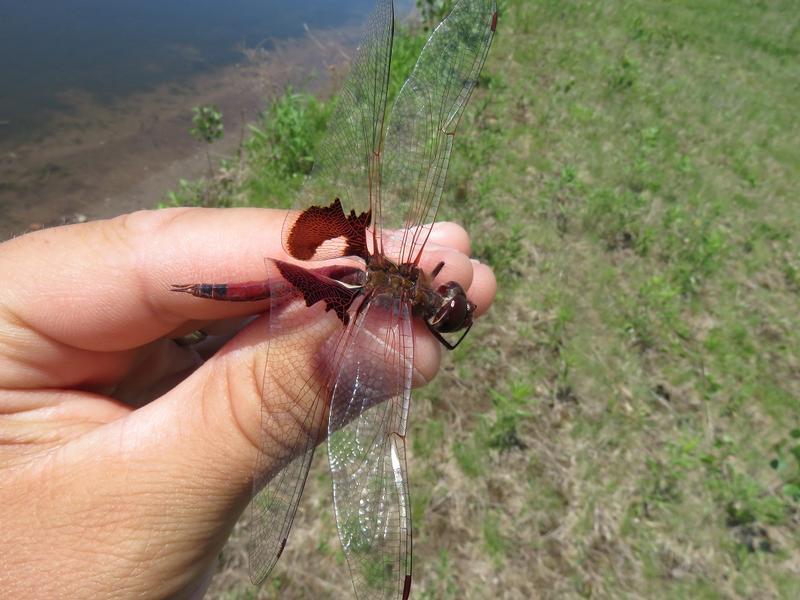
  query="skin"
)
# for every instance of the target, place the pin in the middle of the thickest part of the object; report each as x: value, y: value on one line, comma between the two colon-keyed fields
x: 125, y: 459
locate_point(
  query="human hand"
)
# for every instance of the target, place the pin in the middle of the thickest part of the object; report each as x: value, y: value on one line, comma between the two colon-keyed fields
x: 125, y: 459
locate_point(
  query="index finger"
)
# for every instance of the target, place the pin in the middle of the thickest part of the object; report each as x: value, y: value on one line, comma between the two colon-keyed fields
x: 105, y: 285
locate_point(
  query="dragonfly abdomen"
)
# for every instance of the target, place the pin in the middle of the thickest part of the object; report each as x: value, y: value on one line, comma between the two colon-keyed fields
x: 248, y: 291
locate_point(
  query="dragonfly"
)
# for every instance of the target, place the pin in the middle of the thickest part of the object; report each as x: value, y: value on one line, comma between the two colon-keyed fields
x: 353, y: 293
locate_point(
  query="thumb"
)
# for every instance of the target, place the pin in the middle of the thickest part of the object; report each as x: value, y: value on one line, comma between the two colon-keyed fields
x: 191, y: 455
x: 246, y: 412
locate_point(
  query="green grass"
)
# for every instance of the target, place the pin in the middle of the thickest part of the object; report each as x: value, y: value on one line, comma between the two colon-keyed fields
x: 278, y: 151
x: 624, y: 423
x: 272, y: 162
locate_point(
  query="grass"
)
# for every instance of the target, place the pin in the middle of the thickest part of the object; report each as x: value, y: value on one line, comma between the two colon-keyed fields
x: 272, y: 161
x: 624, y: 423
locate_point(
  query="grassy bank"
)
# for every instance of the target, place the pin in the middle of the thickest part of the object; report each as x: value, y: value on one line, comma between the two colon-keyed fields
x: 626, y: 420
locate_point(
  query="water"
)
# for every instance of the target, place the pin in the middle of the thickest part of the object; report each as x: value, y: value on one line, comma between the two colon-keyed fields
x: 96, y: 96
x: 111, y: 49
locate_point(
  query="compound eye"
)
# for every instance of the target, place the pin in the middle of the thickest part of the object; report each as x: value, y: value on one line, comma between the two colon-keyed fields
x: 455, y: 312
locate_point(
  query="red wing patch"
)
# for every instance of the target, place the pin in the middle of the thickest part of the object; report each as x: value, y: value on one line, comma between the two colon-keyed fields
x: 318, y: 288
x: 317, y: 225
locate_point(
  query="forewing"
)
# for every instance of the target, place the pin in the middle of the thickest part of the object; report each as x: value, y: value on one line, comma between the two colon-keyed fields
x: 347, y: 159
x: 366, y: 449
x: 301, y: 362
x: 424, y: 119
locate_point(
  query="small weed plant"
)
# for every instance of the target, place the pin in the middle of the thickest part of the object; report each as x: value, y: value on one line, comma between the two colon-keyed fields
x: 207, y: 127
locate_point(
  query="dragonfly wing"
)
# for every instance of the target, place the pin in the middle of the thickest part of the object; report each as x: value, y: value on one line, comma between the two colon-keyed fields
x: 273, y: 509
x: 348, y: 157
x: 424, y: 119
x: 366, y: 449
x: 301, y: 363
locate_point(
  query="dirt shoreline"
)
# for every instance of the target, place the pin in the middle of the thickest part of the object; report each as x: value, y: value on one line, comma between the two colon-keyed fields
x: 103, y: 161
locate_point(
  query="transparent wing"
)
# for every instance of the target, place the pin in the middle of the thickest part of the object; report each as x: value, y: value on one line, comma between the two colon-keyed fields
x: 301, y: 363
x: 366, y: 447
x: 424, y: 119
x: 273, y: 510
x: 346, y: 162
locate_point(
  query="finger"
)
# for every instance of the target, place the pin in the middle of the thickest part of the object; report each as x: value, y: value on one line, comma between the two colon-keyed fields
x: 451, y: 235
x: 427, y: 355
x: 457, y: 266
x: 483, y: 289
x: 101, y: 292
x: 111, y: 279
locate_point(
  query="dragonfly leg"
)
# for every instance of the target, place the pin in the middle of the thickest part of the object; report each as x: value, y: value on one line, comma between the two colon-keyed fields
x: 442, y: 339
x: 437, y: 270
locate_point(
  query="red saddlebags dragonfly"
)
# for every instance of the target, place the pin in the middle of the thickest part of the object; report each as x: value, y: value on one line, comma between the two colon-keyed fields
x: 371, y: 198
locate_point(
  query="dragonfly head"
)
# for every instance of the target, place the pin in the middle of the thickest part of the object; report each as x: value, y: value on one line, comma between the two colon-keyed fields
x: 454, y: 313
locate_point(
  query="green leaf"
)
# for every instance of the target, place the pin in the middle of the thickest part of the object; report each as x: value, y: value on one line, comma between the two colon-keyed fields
x: 792, y: 490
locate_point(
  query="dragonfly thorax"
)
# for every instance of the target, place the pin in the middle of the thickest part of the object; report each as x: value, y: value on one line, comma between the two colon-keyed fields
x: 444, y: 309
